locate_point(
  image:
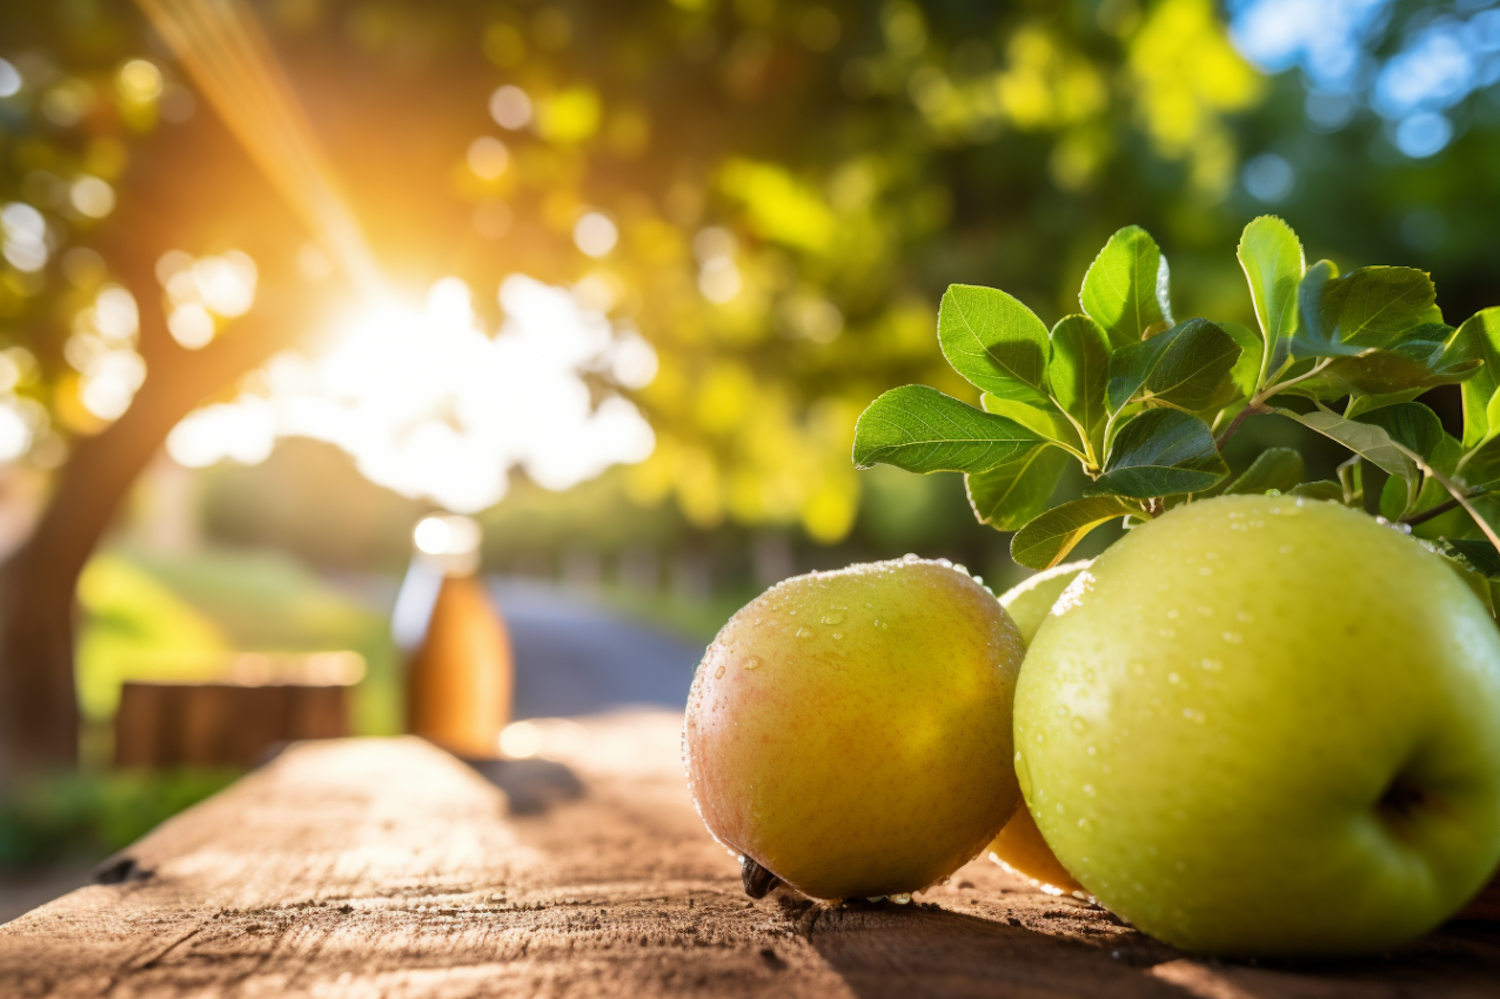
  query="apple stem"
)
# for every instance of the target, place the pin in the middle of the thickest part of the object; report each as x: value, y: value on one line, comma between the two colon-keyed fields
x: 758, y: 881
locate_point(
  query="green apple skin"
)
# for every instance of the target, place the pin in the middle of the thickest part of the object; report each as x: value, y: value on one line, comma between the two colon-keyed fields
x: 850, y: 731
x: 1020, y: 846
x: 1259, y: 726
x: 1030, y: 601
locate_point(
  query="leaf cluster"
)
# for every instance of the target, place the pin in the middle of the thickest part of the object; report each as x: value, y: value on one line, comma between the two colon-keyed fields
x: 1144, y: 403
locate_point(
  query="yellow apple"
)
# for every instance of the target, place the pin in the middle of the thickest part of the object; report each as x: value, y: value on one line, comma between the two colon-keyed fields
x: 849, y: 732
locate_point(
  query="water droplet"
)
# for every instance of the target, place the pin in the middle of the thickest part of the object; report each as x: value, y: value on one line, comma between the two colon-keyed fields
x: 804, y: 632
x: 1194, y: 715
x: 754, y: 662
x: 1085, y: 824
x: 1210, y: 555
x: 1078, y: 725
x: 1173, y: 614
x: 1174, y: 678
x: 719, y: 672
x: 792, y: 612
x: 1092, y: 751
x: 1088, y: 789
x: 1233, y: 637
x: 901, y: 899
x: 1211, y: 665
x: 833, y: 617
x: 1205, y: 571
x: 837, y: 635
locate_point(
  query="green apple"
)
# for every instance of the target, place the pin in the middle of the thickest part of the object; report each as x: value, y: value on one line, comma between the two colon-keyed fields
x: 1266, y: 726
x: 849, y: 732
x: 1030, y: 601
x: 1020, y: 847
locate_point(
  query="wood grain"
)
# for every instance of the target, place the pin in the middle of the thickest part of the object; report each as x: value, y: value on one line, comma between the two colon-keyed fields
x: 387, y: 868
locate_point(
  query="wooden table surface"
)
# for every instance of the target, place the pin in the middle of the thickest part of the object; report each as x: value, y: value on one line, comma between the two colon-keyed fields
x: 387, y: 868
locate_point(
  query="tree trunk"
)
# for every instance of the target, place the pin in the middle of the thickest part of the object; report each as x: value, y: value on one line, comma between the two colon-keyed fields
x: 38, y: 704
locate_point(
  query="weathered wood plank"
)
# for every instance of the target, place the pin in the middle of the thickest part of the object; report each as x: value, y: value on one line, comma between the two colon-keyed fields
x: 386, y: 868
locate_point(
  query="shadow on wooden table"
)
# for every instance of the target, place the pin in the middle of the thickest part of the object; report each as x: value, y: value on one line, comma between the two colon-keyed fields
x: 886, y: 952
x: 531, y: 786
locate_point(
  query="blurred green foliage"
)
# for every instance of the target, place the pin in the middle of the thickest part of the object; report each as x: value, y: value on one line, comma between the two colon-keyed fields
x: 153, y: 616
x: 84, y: 816
x: 794, y: 183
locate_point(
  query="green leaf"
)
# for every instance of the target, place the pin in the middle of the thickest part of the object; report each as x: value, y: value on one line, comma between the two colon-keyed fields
x: 1370, y: 307
x: 1323, y: 489
x: 1161, y: 452
x: 1480, y: 555
x: 1395, y: 501
x: 1481, y: 467
x: 1126, y: 287
x: 1188, y: 366
x: 1274, y: 468
x: 921, y: 430
x: 1412, y: 365
x: 1369, y: 441
x: 1410, y: 424
x: 1316, y: 335
x: 1272, y: 259
x: 1078, y: 374
x: 1009, y: 495
x: 1246, y: 371
x: 1478, y: 339
x: 1194, y: 371
x: 1374, y: 306
x: 1046, y: 540
x: 995, y: 342
x: 1045, y: 422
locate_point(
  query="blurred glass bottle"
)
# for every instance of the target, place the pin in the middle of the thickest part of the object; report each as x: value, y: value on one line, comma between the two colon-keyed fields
x: 460, y: 675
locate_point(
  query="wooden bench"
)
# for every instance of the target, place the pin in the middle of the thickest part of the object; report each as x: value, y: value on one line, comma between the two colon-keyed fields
x: 387, y: 868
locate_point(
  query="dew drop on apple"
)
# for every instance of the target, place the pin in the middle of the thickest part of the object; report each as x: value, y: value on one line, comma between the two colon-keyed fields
x: 804, y: 632
x: 833, y: 617
x: 754, y: 662
x: 719, y: 672
x: 1078, y: 725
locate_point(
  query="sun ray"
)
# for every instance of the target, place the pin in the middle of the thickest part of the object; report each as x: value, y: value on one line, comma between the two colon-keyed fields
x: 226, y: 52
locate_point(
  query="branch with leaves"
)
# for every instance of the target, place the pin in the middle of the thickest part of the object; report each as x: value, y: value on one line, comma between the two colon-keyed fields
x: 1136, y: 398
